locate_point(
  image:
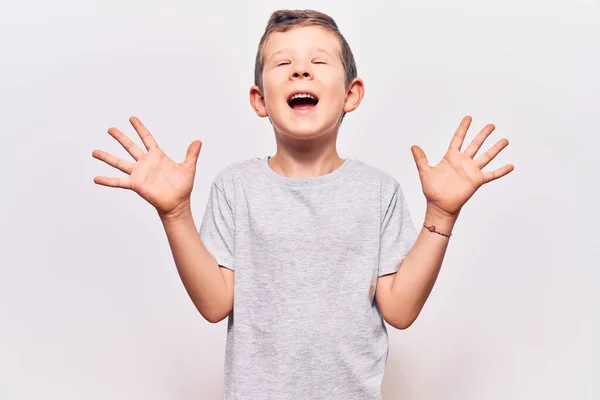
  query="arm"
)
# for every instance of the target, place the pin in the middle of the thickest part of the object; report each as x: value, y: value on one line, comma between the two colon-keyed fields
x: 167, y: 186
x: 401, y: 296
x: 209, y: 286
x: 447, y: 186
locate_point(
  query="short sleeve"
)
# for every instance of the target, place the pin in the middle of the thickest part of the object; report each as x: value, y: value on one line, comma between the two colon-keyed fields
x: 398, y: 233
x: 217, y: 230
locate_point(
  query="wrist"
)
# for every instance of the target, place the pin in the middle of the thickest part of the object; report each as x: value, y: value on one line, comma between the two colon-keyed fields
x: 179, y: 213
x: 442, y: 221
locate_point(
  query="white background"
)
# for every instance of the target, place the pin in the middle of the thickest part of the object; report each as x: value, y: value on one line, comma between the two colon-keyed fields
x: 91, y: 306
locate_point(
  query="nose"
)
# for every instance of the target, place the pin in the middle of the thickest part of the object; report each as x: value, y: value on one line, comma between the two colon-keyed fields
x: 300, y: 71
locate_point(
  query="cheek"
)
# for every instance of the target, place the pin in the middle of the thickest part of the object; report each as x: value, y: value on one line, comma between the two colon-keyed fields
x: 336, y: 89
x: 336, y: 96
x: 274, y: 76
x: 271, y: 92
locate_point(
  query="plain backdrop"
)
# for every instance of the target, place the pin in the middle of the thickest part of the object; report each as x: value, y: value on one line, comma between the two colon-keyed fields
x: 91, y: 306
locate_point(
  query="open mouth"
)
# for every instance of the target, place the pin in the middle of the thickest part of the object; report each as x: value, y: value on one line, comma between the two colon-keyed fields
x: 302, y: 101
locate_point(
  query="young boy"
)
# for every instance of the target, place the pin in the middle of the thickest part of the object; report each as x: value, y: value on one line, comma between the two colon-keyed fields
x: 307, y: 253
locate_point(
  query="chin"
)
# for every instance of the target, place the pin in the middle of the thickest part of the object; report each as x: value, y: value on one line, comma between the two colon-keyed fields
x: 303, y: 131
x: 305, y: 127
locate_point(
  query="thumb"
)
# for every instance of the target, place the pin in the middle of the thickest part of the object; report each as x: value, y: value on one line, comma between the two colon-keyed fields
x: 193, y: 151
x: 420, y: 158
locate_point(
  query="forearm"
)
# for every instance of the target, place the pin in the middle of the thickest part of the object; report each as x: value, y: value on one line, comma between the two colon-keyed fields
x: 417, y: 275
x: 198, y: 270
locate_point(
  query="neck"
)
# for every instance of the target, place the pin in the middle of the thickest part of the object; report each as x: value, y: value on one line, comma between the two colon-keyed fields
x: 306, y: 158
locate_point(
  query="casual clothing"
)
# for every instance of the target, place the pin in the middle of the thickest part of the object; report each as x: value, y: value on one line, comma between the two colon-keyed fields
x: 306, y: 253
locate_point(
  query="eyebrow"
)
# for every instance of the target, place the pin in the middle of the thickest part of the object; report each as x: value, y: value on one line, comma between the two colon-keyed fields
x: 316, y: 49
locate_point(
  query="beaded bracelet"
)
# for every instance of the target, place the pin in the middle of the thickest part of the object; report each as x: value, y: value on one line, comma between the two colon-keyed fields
x: 431, y: 228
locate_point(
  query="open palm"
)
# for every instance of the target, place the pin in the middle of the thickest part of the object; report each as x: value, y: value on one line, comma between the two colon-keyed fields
x: 450, y: 183
x: 165, y: 184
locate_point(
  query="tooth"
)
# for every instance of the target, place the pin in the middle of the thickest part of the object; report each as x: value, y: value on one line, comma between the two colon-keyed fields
x: 303, y: 95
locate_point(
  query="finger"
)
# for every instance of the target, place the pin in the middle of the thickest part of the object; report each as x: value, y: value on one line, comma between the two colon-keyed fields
x: 461, y: 132
x: 127, y: 143
x: 499, y: 173
x: 123, y: 182
x: 193, y: 151
x: 477, y: 142
x: 489, y: 155
x: 420, y: 158
x: 113, y: 161
x: 144, y: 133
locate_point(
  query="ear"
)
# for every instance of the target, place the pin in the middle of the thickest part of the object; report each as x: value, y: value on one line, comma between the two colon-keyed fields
x: 257, y: 101
x: 354, y: 95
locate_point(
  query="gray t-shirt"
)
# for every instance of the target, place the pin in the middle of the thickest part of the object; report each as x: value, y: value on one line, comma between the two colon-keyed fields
x: 306, y: 253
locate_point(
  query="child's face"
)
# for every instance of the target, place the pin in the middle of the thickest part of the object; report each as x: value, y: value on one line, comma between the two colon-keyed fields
x: 304, y: 61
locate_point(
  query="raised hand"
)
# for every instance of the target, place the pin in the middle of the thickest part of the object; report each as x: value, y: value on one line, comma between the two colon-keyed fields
x: 165, y: 184
x: 448, y: 185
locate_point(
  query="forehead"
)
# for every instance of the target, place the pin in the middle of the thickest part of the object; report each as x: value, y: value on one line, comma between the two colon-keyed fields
x: 305, y: 38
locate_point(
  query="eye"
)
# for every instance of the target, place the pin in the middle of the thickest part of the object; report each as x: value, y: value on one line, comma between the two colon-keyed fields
x: 319, y: 62
x: 282, y: 63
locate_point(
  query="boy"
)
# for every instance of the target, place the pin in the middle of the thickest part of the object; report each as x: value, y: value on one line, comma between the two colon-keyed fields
x: 318, y: 250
